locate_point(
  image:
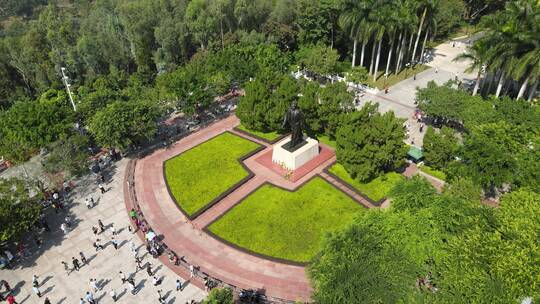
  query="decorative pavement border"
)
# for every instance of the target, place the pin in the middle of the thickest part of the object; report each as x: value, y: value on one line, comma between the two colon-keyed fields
x: 350, y: 187
x: 226, y: 192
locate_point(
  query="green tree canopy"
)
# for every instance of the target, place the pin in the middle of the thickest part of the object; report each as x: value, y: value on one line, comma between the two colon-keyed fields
x: 440, y: 147
x: 370, y: 143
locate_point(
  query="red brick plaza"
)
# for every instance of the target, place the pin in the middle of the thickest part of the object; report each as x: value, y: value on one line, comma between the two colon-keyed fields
x: 187, y: 237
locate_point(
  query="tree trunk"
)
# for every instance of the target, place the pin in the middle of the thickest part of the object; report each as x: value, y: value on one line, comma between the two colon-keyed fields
x: 493, y: 77
x: 363, y: 51
x: 533, y: 90
x: 499, y: 85
x: 392, y: 39
x: 398, y: 50
x: 401, y: 53
x: 477, y: 84
x: 523, y: 87
x: 372, y: 57
x: 419, y: 32
x: 377, y: 61
x: 409, y: 48
x: 353, y: 63
x: 424, y: 45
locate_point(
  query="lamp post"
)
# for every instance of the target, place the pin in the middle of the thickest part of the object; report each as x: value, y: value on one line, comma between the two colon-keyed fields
x: 65, y: 79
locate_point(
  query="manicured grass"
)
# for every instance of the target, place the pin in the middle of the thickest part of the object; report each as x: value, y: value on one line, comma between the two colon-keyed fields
x: 433, y: 172
x: 327, y: 141
x: 270, y: 136
x: 287, y: 225
x: 199, y: 175
x: 376, y: 189
x: 393, y: 78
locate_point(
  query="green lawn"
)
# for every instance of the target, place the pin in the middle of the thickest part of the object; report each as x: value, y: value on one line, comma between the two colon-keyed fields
x: 270, y: 136
x: 327, y: 141
x: 199, y: 175
x: 287, y: 225
x: 393, y: 78
x: 376, y: 189
x: 433, y: 172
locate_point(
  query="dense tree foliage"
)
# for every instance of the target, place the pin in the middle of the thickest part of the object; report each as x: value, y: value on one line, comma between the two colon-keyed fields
x: 440, y: 148
x: 68, y: 155
x: 433, y: 248
x: 219, y: 296
x: 370, y: 143
x: 18, y: 210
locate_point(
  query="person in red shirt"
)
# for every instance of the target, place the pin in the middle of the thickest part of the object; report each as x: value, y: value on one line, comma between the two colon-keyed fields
x: 11, y: 300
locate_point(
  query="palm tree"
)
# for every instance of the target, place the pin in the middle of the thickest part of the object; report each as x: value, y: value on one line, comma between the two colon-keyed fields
x: 476, y: 54
x: 353, y: 20
x: 427, y: 6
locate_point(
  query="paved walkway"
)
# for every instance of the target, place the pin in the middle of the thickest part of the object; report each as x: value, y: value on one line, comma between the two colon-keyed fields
x: 401, y: 96
x: 213, y: 257
x: 61, y: 288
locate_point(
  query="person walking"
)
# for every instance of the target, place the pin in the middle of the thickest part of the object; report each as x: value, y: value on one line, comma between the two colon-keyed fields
x: 113, y: 230
x: 101, y: 188
x: 35, y: 282
x: 156, y: 281
x: 138, y: 262
x: 114, y: 242
x: 66, y: 268
x: 149, y: 269
x: 93, y: 285
x: 191, y: 271
x: 95, y: 230
x: 113, y: 295
x: 47, y: 301
x: 11, y: 300
x: 178, y: 285
x: 97, y: 245
x: 36, y: 290
x: 6, y: 285
x: 122, y: 277
x: 81, y: 301
x: 89, y: 203
x: 90, y: 298
x: 101, y: 226
x: 63, y: 227
x: 83, y: 258
x: 132, y: 287
x: 160, y: 297
x: 75, y: 263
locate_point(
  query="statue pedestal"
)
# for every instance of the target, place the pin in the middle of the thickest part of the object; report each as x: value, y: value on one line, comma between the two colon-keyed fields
x: 295, y: 159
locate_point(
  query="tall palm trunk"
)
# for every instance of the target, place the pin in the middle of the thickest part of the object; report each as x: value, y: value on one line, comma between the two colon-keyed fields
x: 354, y: 52
x: 419, y: 32
x: 424, y: 45
x: 409, y: 48
x: 499, y: 85
x: 377, y: 61
x: 401, y: 53
x: 523, y: 87
x: 372, y: 57
x: 477, y: 84
x: 533, y: 90
x: 398, y: 50
x: 490, y: 86
x: 364, y: 43
x: 392, y: 39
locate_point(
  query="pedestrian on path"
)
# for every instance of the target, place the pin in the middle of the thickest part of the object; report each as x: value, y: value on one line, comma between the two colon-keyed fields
x: 191, y: 271
x: 6, y: 285
x: 160, y: 297
x: 414, y: 77
x: 101, y: 226
x: 149, y: 269
x: 130, y: 229
x: 36, y: 290
x: 138, y: 262
x: 90, y: 298
x: 11, y: 300
x: 47, y: 301
x: 113, y: 230
x: 122, y: 277
x: 178, y: 285
x: 81, y: 301
x: 436, y: 70
x: 63, y: 227
x: 97, y: 245
x: 93, y: 285
x: 66, y: 268
x: 83, y: 258
x: 35, y: 281
x: 114, y: 242
x: 156, y: 281
x: 101, y: 188
x: 89, y: 203
x: 132, y: 287
x: 113, y: 295
x: 75, y: 263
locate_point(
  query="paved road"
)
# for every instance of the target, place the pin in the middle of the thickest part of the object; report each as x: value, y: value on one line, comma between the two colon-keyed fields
x: 103, y: 265
x: 400, y: 97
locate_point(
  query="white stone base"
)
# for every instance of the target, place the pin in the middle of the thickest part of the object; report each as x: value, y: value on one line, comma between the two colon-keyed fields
x: 294, y: 160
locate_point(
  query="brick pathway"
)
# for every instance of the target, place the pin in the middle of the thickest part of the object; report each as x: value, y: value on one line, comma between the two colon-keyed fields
x: 345, y: 189
x: 213, y: 257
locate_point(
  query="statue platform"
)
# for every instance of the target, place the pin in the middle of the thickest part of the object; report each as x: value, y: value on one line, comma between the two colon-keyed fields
x: 293, y: 160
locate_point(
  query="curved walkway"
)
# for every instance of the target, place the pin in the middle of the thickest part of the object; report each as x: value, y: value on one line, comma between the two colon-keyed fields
x: 213, y: 257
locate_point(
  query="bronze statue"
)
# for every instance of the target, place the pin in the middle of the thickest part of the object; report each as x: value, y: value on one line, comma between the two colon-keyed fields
x: 295, y: 119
